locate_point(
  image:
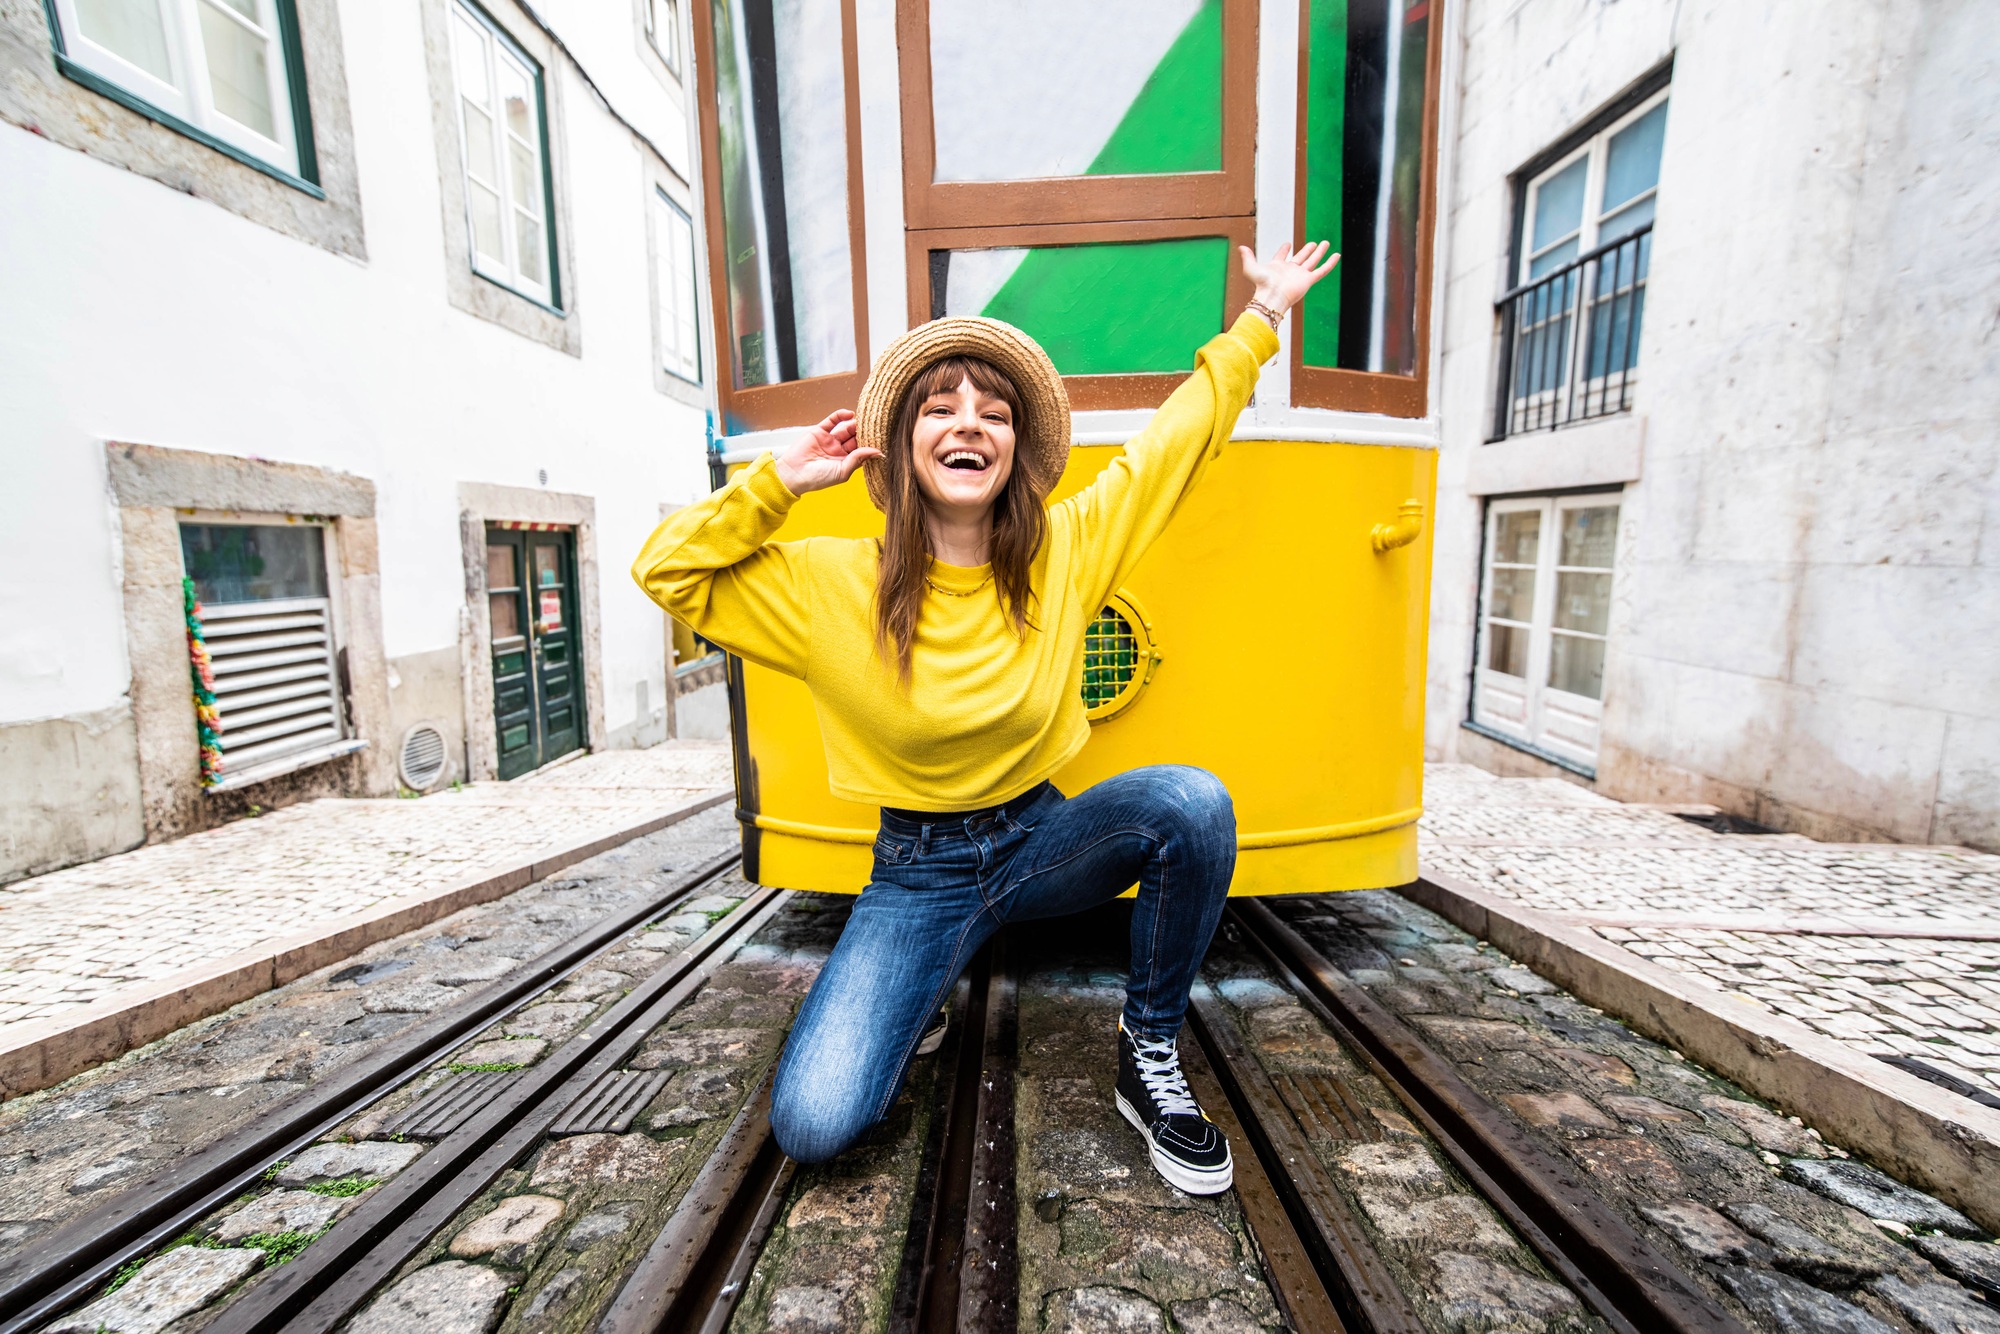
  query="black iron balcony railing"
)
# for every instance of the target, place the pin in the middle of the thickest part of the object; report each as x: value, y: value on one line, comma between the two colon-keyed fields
x: 1569, y: 340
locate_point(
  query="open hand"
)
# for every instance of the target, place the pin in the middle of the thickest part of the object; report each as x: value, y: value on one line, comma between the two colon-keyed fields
x: 1285, y: 277
x: 826, y: 455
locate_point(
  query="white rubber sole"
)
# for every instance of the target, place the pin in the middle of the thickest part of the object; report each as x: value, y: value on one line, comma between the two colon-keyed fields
x: 932, y: 1040
x: 1195, y: 1181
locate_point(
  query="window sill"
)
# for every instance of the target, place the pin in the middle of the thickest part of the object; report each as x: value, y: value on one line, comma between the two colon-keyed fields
x: 1605, y: 451
x: 512, y: 290
x: 1529, y: 748
x: 103, y: 87
x: 285, y: 764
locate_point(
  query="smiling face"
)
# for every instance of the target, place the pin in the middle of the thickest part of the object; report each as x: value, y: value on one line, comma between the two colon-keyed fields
x: 962, y: 449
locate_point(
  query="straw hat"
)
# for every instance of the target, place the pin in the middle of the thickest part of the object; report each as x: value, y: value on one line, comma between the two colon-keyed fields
x: 1042, y: 450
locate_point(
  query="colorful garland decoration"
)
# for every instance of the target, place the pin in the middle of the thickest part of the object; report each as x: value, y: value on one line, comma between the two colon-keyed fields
x: 208, y: 722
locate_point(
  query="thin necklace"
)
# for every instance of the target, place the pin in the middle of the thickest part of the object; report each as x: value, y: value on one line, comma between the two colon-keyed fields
x: 955, y: 593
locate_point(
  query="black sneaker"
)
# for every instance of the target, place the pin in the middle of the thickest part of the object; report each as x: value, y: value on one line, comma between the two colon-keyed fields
x: 933, y: 1037
x: 1188, y: 1149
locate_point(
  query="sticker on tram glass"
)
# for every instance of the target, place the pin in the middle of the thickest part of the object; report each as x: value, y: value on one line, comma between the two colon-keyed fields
x: 551, y: 614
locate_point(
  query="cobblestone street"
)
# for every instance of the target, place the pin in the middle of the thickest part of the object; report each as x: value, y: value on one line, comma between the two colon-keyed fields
x: 1769, y: 1219
x: 1892, y: 949
x: 76, y: 936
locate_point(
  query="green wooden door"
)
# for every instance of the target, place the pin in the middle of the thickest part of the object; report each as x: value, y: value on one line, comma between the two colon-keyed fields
x: 537, y: 667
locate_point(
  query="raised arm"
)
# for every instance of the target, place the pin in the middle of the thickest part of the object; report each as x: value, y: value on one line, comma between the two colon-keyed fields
x: 1118, y: 516
x: 714, y: 568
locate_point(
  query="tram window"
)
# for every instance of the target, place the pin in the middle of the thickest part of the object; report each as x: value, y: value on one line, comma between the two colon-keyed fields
x: 1115, y: 87
x: 1115, y: 158
x: 1545, y: 620
x: 781, y: 155
x: 1368, y: 88
x: 1076, y: 300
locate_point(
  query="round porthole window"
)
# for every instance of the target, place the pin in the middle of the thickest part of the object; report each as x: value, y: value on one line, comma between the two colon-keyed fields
x: 1119, y: 655
x: 422, y: 761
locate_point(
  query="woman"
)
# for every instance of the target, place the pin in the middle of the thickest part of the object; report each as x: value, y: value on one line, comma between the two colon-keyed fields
x: 944, y: 662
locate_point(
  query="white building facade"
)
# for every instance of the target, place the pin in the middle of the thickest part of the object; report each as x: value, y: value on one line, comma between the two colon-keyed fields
x: 1719, y: 494
x: 379, y: 331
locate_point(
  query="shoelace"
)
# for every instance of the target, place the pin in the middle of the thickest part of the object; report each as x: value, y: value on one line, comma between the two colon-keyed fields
x: 1159, y: 1065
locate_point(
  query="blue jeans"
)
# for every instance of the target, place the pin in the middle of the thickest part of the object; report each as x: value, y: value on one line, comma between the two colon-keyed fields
x: 943, y: 884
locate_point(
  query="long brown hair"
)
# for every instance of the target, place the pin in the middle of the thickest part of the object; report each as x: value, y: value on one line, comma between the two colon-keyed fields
x: 1018, y: 518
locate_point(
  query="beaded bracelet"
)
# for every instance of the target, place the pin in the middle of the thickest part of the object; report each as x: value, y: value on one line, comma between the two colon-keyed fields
x: 1273, y: 316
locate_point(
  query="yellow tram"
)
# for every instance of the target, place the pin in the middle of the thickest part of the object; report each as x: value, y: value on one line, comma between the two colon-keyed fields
x: 1092, y: 193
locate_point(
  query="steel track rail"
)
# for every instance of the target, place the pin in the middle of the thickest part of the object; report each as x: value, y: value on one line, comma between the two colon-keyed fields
x: 1305, y: 1303
x: 343, y: 1269
x: 692, y: 1275
x: 961, y: 1265
x: 989, y: 1275
x: 959, y: 1272
x: 1617, y: 1272
x: 912, y: 1267
x: 66, y: 1267
x: 1323, y: 1269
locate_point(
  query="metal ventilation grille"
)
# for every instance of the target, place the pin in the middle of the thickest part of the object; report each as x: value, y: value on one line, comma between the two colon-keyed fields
x: 1111, y: 658
x: 275, y: 686
x: 422, y: 758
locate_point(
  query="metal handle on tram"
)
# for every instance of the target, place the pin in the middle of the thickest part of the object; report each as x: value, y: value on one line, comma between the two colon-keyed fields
x: 1409, y: 523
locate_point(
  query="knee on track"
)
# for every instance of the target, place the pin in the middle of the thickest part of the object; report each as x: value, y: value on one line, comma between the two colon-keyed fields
x: 812, y: 1129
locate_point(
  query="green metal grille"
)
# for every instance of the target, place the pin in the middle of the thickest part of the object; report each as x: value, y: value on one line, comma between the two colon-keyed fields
x: 1111, y: 658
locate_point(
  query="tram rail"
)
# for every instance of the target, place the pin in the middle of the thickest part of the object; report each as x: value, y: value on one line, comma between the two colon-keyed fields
x: 64, y: 1268
x: 340, y: 1271
x: 1621, y: 1276
x: 960, y: 1266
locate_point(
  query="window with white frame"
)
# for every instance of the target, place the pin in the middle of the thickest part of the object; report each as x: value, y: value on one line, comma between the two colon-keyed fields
x: 1571, y: 322
x: 225, y: 70
x: 503, y: 138
x: 674, y: 288
x: 1603, y: 191
x: 663, y: 30
x: 1545, y: 614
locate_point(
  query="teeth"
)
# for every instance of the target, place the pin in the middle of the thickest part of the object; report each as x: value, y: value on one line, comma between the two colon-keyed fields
x: 951, y: 459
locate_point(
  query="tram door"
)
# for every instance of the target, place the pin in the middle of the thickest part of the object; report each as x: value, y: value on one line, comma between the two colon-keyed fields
x: 537, y: 672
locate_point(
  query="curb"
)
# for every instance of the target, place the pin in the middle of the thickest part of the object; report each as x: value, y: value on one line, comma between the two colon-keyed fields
x: 1912, y: 1129
x: 48, y: 1051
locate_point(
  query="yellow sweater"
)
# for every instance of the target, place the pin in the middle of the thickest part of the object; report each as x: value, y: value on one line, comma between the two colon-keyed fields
x: 986, y: 714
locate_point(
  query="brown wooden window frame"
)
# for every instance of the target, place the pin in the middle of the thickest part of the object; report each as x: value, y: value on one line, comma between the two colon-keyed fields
x: 793, y: 402
x: 1230, y: 192
x: 1375, y: 391
x: 1075, y: 210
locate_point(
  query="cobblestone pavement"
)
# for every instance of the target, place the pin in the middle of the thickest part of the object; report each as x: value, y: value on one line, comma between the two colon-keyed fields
x: 68, y: 1148
x: 1779, y: 1227
x: 1892, y: 949
x: 75, y: 936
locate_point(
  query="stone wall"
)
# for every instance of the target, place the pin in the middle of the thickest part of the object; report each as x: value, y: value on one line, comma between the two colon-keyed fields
x: 182, y: 298
x: 1806, y: 619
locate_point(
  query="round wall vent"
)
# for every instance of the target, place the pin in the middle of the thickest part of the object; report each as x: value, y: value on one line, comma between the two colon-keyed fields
x: 423, y: 760
x: 1119, y: 656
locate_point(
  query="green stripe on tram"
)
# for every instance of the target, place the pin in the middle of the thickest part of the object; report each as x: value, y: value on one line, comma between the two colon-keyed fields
x: 1326, y: 117
x: 1125, y: 307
